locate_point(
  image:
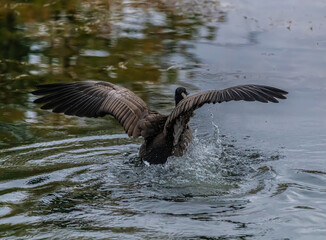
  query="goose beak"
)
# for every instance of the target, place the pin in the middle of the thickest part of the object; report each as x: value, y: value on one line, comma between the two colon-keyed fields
x: 184, y: 95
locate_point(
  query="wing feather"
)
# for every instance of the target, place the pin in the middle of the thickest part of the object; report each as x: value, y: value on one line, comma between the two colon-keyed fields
x: 62, y: 104
x: 243, y: 92
x: 95, y: 99
x: 237, y: 96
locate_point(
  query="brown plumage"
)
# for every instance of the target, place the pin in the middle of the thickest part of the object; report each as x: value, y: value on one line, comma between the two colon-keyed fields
x: 164, y: 135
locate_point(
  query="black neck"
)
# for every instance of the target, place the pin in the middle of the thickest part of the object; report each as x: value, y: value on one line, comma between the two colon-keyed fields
x: 178, y: 98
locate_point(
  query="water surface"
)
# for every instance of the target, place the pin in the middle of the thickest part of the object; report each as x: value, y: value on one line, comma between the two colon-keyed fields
x: 254, y: 171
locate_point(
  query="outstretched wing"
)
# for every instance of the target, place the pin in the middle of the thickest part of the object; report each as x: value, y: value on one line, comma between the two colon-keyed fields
x: 95, y: 99
x: 243, y: 92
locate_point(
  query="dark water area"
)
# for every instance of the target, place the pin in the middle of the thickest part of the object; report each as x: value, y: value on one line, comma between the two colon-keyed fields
x: 254, y: 170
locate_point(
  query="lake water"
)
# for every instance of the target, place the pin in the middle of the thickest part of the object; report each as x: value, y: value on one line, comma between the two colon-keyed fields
x: 254, y: 170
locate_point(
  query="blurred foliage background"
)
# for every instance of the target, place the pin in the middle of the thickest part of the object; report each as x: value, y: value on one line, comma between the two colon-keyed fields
x: 132, y: 43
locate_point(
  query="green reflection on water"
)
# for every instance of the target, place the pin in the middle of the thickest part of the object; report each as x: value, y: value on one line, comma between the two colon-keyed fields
x: 131, y: 43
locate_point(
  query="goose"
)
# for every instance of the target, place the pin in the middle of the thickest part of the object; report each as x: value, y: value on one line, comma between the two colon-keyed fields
x: 164, y: 135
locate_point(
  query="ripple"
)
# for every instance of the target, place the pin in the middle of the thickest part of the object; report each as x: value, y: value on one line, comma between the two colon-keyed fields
x: 70, y: 140
x: 90, y: 181
x: 14, y: 197
x: 25, y: 183
x: 4, y: 210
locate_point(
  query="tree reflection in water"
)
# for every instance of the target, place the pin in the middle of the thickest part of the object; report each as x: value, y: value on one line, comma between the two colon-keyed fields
x: 125, y: 42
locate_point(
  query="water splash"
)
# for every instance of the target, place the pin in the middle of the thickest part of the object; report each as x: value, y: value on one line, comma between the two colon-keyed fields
x: 206, y: 169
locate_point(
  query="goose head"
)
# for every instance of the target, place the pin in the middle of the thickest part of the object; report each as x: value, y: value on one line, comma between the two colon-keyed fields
x: 180, y: 93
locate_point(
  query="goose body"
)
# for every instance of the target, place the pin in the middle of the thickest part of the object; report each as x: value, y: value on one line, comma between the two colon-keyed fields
x: 164, y: 135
